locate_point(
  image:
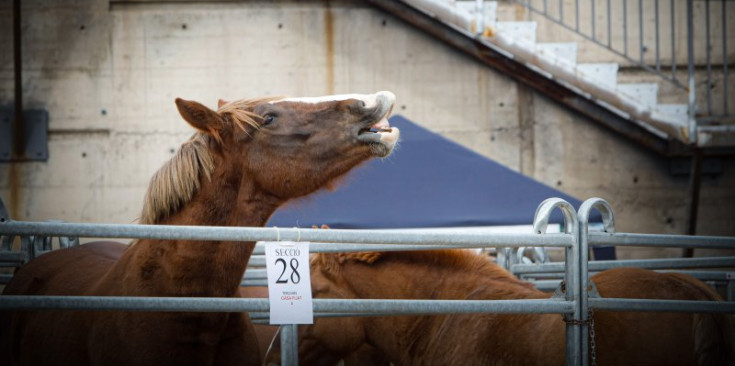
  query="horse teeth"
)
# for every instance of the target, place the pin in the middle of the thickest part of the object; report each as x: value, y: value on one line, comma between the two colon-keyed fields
x: 378, y: 130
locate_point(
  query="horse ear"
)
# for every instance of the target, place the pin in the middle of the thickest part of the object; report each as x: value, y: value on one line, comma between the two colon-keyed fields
x: 200, y: 117
x: 221, y: 102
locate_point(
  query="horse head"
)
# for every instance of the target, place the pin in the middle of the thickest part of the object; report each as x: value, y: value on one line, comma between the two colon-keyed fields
x: 291, y: 147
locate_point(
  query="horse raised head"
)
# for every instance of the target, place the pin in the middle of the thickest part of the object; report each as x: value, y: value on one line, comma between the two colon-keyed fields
x: 245, y: 160
x: 277, y: 149
x: 300, y: 144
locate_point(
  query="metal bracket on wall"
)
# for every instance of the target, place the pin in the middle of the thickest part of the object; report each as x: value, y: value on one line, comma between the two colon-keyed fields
x: 35, y: 135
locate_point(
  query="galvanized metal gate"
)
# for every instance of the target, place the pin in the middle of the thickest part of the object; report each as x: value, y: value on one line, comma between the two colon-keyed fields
x: 574, y: 303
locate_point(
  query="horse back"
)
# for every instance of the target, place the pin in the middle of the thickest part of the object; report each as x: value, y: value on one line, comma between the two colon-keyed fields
x: 714, y: 333
x: 70, y: 272
x: 673, y: 338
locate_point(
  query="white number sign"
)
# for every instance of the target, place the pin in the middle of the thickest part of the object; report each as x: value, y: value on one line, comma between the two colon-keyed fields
x: 289, y: 282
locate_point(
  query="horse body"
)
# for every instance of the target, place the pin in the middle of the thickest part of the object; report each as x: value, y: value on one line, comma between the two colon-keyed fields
x: 264, y: 333
x: 247, y: 159
x: 622, y: 338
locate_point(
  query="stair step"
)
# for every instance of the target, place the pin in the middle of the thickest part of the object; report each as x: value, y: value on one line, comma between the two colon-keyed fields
x: 605, y: 74
x: 645, y: 94
x: 522, y: 32
x: 490, y: 10
x: 446, y: 11
x: 565, y: 54
x: 566, y: 50
x: 676, y: 112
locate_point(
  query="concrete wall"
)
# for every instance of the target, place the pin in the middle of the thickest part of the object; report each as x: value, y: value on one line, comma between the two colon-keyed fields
x: 108, y: 75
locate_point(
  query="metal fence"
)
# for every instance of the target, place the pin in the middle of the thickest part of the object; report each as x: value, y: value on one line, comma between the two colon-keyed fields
x: 574, y: 302
x: 649, y: 34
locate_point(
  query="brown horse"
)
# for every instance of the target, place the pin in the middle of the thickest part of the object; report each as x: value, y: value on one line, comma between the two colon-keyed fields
x: 264, y: 333
x: 622, y: 338
x: 247, y: 158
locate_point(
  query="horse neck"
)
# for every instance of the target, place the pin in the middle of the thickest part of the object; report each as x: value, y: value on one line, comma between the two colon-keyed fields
x: 202, y: 268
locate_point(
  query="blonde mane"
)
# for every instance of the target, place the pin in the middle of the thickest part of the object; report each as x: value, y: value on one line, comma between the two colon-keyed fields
x: 176, y: 182
x: 179, y: 179
x: 241, y: 111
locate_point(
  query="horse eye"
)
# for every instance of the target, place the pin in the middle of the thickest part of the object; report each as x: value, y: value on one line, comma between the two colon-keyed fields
x: 268, y: 119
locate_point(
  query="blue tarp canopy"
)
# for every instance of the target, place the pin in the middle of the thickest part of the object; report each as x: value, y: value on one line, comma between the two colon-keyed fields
x: 428, y: 181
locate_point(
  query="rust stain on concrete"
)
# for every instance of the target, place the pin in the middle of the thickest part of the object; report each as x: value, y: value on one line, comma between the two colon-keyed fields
x: 14, y: 185
x: 329, y: 40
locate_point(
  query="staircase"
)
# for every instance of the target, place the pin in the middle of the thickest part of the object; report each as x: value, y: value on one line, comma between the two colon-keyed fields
x: 632, y: 109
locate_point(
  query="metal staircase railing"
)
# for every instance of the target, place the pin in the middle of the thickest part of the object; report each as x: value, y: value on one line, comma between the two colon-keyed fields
x: 625, y: 36
x: 656, y: 35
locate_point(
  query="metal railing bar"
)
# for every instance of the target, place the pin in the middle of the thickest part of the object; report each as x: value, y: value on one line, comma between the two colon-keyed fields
x: 273, y: 234
x: 352, y: 307
x: 253, y: 278
x: 576, y: 15
x: 623, y: 55
x: 255, y: 274
x: 684, y: 306
x: 561, y: 11
x: 673, y: 41
x: 257, y: 277
x: 123, y: 303
x: 708, y: 56
x: 608, y: 225
x: 546, y: 285
x: 719, y: 276
x: 625, y: 28
x: 609, y: 24
x: 11, y: 257
x: 376, y: 306
x: 671, y: 263
x: 725, y: 96
x: 266, y: 315
x: 594, y: 16
x: 652, y: 240
x: 254, y: 283
x: 289, y: 344
x: 256, y: 260
x: 655, y: 17
x: 316, y: 247
x: 641, y: 47
x: 692, y: 101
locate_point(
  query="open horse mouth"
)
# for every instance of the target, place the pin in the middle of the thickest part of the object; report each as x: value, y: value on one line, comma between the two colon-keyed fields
x: 380, y: 132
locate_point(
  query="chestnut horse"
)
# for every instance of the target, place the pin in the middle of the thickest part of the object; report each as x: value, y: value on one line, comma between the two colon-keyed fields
x: 263, y: 332
x: 245, y: 160
x: 621, y: 338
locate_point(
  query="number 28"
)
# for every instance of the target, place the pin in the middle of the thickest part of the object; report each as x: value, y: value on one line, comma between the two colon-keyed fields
x: 295, y: 276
